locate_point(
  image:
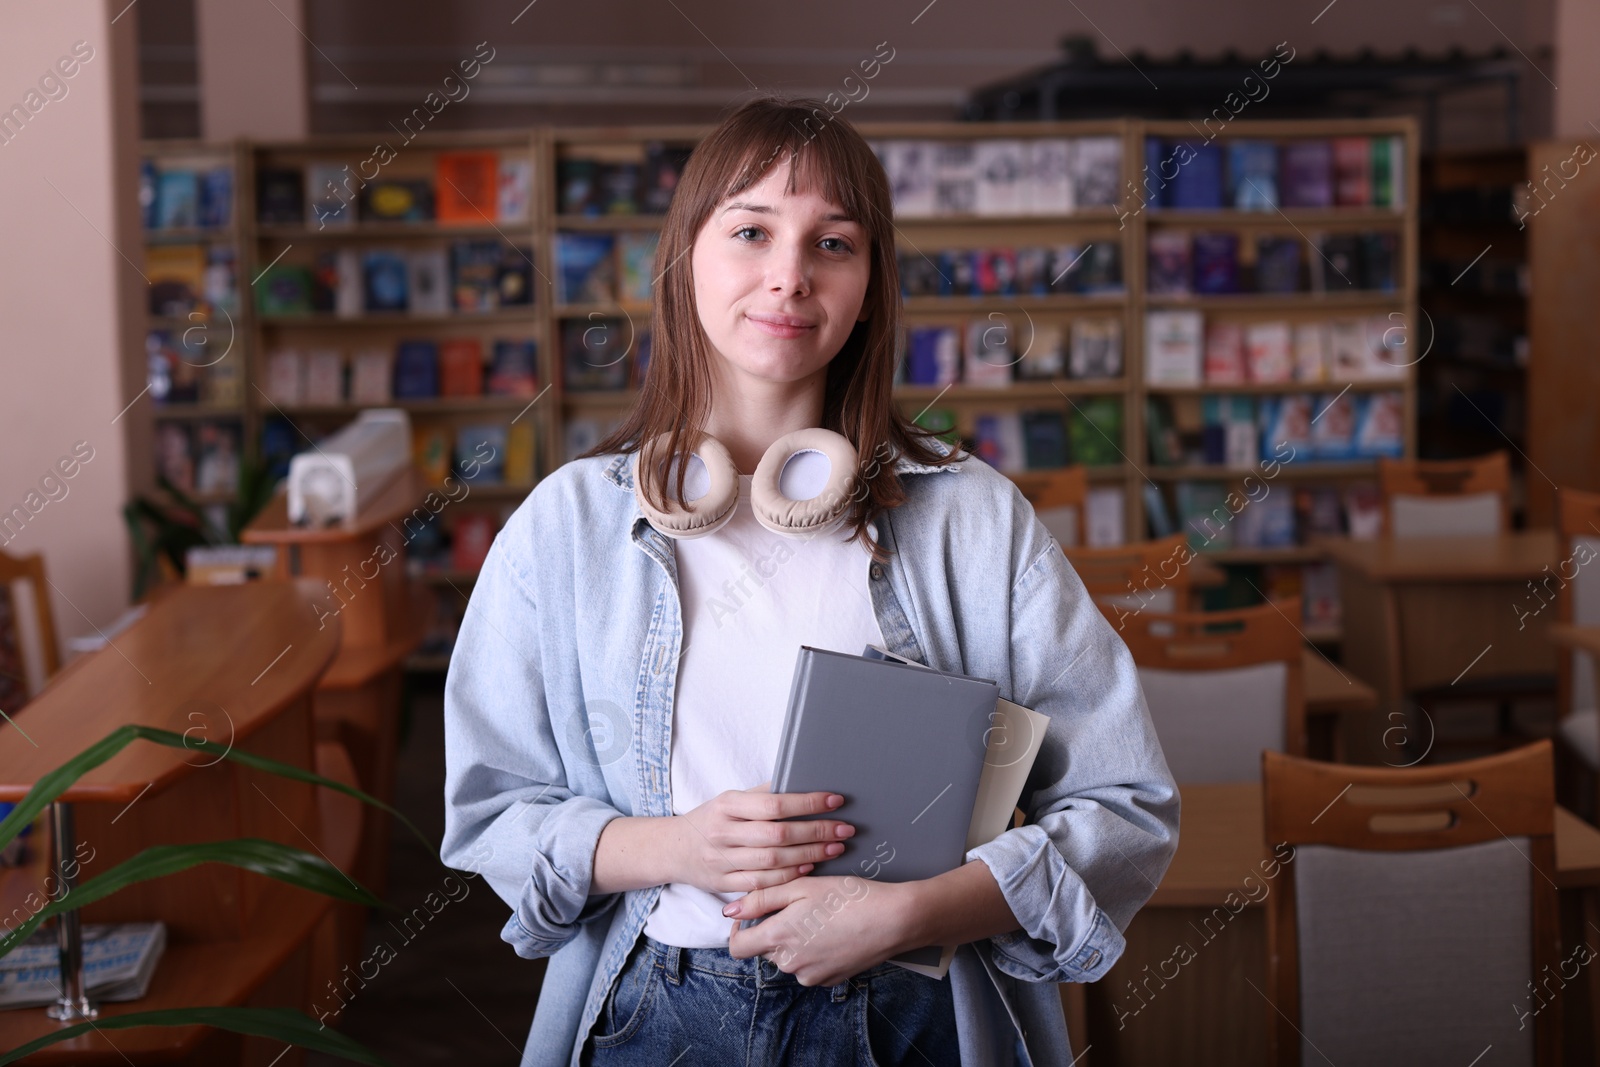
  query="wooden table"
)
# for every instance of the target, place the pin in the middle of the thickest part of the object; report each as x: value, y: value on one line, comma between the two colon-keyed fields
x: 1577, y: 638
x: 235, y: 665
x: 1331, y: 689
x: 1430, y: 611
x: 1208, y: 1014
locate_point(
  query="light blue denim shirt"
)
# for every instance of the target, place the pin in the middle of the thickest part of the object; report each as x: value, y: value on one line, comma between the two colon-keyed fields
x: 558, y: 708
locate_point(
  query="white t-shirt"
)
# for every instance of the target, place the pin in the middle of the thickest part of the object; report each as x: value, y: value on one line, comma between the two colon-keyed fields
x: 750, y: 599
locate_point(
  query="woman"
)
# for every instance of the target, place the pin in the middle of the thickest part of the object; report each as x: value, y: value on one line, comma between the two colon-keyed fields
x: 614, y: 701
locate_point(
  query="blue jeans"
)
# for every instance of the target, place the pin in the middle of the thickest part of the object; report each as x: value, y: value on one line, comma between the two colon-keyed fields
x: 692, y: 1006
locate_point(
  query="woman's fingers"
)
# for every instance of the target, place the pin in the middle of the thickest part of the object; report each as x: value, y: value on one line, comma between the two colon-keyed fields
x: 750, y: 881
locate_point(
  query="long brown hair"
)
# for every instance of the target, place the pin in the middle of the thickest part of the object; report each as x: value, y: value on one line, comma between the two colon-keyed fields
x: 827, y: 155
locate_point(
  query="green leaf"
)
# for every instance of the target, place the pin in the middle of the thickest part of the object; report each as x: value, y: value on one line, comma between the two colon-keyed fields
x: 278, y: 1024
x: 271, y: 858
x: 58, y: 781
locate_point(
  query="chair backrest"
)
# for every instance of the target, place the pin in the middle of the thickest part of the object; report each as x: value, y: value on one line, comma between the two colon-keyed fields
x: 1061, y: 500
x: 1148, y: 576
x: 1221, y: 687
x: 28, y: 656
x: 1446, y: 498
x: 1575, y: 585
x: 1412, y: 899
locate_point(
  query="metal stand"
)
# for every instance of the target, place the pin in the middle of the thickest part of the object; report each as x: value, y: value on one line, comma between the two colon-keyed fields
x: 73, y: 1004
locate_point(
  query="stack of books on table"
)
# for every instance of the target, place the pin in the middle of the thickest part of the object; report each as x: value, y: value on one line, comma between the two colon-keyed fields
x: 119, y: 959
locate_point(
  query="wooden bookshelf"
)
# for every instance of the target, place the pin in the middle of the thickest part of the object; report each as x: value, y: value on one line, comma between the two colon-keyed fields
x: 568, y: 417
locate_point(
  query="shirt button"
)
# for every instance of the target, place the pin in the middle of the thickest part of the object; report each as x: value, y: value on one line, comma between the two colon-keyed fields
x: 876, y: 572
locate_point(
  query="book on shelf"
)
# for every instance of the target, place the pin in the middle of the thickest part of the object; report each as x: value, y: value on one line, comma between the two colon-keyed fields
x: 520, y: 453
x: 1033, y: 270
x: 1278, y: 264
x: 581, y: 434
x: 119, y: 961
x: 1204, y: 514
x: 658, y: 180
x: 467, y: 187
x: 636, y: 257
x: 1096, y: 348
x: 171, y: 371
x: 416, y: 370
x: 641, y: 358
x: 513, y: 367
x: 1173, y: 347
x: 1224, y: 353
x: 1349, y: 353
x: 955, y: 178
x: 324, y: 377
x: 1352, y: 171
x: 1044, y: 440
x: 1333, y: 427
x: 1306, y: 172
x: 1197, y: 185
x: 989, y: 354
x: 999, y: 441
x: 1310, y: 351
x: 1095, y: 431
x: 1388, y: 171
x: 330, y: 202
x: 428, y: 281
x: 996, y: 271
x: 1157, y: 516
x: 1230, y: 432
x: 514, y: 196
x: 585, y: 268
x: 371, y: 371
x: 461, y: 367
x: 349, y: 284
x: 1002, y: 170
x: 397, y: 200
x: 470, y: 539
x: 216, y: 198
x: 1363, y: 511
x: 594, y: 354
x: 216, y: 457
x: 1380, y: 425
x: 431, y: 446
x: 286, y: 377
x: 1269, y: 351
x: 1096, y: 167
x: 284, y: 290
x: 1105, y: 511
x: 1165, y: 448
x: 1319, y: 595
x: 1170, y: 268
x: 280, y: 196
x: 220, y: 283
x: 175, y: 455
x: 482, y: 444
x: 1044, y: 357
x: 1253, y: 175
x: 177, y: 199
x: 386, y: 278
x: 910, y: 169
x: 1286, y: 421
x: 223, y: 384
x: 1267, y: 522
x: 933, y: 355
x: 1050, y: 188
x: 514, y: 281
x: 1216, y: 262
x: 1099, y: 271
x: 619, y: 188
x: 942, y: 422
x: 177, y: 275
x: 475, y: 275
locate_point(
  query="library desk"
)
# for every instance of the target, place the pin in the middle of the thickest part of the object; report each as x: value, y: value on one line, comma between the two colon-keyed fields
x: 235, y: 666
x: 1208, y: 1014
x: 1426, y: 612
x: 360, y: 570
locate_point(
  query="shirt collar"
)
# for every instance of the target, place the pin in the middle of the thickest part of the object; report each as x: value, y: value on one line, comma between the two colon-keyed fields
x: 619, y: 472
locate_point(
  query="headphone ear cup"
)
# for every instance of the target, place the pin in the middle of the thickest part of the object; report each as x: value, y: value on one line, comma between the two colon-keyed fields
x: 793, y: 516
x: 712, y: 509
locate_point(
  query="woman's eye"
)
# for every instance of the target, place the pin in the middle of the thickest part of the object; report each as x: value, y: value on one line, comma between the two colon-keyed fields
x: 743, y: 231
x: 836, y: 244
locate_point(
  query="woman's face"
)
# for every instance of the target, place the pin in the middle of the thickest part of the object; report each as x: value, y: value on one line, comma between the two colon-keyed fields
x: 779, y: 280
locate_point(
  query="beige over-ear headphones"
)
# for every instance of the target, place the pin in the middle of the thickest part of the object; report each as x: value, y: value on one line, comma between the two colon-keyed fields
x: 802, y: 484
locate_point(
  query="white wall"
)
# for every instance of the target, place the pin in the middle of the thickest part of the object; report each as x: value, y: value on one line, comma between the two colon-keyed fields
x: 68, y: 298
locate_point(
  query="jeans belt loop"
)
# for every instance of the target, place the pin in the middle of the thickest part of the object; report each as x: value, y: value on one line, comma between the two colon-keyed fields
x: 674, y: 964
x: 841, y: 992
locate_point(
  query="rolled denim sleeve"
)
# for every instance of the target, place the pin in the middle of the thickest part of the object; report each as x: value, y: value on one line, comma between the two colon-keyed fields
x: 1101, y: 806
x: 511, y: 813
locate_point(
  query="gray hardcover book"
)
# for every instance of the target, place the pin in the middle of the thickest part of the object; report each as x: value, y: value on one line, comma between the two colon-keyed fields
x: 903, y: 745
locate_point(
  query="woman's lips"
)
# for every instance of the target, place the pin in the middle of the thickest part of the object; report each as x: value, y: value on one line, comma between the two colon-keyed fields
x: 786, y: 326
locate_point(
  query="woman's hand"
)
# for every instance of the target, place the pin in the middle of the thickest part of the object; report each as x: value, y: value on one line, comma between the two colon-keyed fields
x: 824, y: 930
x: 734, y: 843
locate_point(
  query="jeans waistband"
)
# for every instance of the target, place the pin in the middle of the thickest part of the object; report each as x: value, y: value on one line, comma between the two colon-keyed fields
x: 676, y: 960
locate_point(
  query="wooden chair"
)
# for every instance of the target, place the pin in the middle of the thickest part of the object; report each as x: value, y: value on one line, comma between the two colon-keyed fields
x: 1402, y: 924
x: 28, y: 654
x: 1061, y: 500
x: 1443, y: 498
x: 1221, y: 686
x: 1148, y: 576
x: 1575, y: 587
